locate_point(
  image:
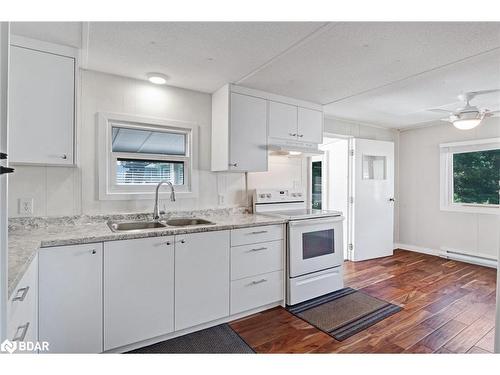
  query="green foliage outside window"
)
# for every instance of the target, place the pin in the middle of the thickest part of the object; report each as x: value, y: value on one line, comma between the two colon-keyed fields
x: 476, y: 177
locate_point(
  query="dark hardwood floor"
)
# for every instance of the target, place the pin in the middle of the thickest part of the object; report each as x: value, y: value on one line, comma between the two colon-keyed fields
x: 448, y: 307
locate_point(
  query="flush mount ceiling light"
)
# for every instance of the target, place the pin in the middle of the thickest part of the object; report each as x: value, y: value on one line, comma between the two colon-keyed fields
x: 157, y: 78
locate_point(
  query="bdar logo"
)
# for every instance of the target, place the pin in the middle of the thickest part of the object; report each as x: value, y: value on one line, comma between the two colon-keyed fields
x: 8, y: 346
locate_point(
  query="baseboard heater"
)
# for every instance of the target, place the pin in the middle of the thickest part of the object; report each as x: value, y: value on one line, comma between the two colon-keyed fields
x: 469, y: 258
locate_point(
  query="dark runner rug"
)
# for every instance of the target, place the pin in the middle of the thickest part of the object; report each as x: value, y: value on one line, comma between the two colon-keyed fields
x: 344, y: 313
x: 214, y: 340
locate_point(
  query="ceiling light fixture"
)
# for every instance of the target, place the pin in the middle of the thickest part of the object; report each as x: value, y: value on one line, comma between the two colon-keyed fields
x: 467, y: 120
x: 157, y: 78
x: 295, y: 153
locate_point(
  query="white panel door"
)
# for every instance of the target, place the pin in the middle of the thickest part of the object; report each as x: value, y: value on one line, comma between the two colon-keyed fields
x: 70, y: 298
x: 248, y: 134
x: 310, y: 125
x: 282, y: 120
x: 138, y: 290
x: 42, y: 104
x: 373, y: 211
x: 201, y: 278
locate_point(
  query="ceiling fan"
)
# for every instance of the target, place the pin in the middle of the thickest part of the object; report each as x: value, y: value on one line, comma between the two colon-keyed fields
x: 469, y: 116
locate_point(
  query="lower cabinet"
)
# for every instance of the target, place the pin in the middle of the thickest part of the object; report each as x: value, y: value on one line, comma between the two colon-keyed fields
x: 70, y: 298
x: 22, y: 323
x: 138, y: 290
x: 201, y: 278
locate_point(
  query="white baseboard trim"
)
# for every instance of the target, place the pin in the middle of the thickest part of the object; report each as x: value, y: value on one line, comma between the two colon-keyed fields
x: 417, y: 249
x: 448, y: 253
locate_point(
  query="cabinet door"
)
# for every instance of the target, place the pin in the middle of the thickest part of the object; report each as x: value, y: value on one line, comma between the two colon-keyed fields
x: 282, y: 120
x: 42, y: 102
x: 201, y: 278
x: 310, y: 126
x: 138, y: 290
x: 248, y: 134
x: 70, y: 298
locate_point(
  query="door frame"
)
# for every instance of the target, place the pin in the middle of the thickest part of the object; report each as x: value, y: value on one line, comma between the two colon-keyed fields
x: 348, y: 215
x: 4, y: 74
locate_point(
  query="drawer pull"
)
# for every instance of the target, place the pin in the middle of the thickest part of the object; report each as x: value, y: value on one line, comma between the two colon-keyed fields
x: 24, y: 292
x: 258, y: 282
x: 258, y: 249
x: 258, y: 232
x: 23, y: 329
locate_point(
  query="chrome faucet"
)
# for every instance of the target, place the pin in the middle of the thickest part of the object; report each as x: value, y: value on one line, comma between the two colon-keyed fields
x: 156, y: 212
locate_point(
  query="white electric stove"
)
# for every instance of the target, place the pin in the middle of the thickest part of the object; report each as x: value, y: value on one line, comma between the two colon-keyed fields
x: 314, y: 243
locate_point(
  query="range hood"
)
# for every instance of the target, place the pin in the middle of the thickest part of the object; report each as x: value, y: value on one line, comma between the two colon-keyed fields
x: 293, y: 148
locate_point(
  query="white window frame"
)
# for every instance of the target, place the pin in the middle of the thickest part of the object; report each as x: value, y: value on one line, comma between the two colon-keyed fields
x: 109, y: 190
x: 447, y: 150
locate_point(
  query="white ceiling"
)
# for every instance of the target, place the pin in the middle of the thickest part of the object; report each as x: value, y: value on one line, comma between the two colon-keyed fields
x: 381, y: 73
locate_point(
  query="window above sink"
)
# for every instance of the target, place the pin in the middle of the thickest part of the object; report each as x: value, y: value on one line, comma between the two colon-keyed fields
x: 135, y: 153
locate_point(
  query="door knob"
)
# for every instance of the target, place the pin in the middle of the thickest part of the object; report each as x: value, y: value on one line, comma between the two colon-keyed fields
x: 391, y: 199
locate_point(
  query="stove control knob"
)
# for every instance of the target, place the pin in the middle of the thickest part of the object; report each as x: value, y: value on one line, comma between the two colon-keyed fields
x: 268, y: 195
x: 299, y: 194
x: 294, y: 195
x: 262, y: 195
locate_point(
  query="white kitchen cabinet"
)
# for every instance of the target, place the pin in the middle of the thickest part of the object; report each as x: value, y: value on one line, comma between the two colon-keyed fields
x: 239, y: 132
x: 22, y: 309
x: 282, y: 120
x: 138, y: 290
x: 41, y: 106
x: 201, y: 278
x: 70, y: 298
x: 310, y: 125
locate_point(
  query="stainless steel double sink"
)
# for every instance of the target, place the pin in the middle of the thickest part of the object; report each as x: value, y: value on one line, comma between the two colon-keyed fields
x: 135, y: 226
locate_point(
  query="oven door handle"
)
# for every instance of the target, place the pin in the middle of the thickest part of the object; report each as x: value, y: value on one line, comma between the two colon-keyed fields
x: 301, y: 223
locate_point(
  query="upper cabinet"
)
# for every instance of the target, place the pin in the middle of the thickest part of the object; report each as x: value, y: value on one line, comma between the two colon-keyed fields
x: 41, y: 103
x: 243, y: 121
x: 310, y: 125
x: 282, y: 121
x: 291, y: 122
x: 239, y: 132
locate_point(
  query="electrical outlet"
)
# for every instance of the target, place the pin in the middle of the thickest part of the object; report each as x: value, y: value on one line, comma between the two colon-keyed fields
x: 221, y: 199
x: 26, y: 206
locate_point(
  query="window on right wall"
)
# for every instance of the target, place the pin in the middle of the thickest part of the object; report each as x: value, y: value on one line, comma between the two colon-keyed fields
x: 470, y: 176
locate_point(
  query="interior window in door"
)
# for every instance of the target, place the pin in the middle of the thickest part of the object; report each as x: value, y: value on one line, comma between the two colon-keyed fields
x: 318, y: 243
x: 374, y: 167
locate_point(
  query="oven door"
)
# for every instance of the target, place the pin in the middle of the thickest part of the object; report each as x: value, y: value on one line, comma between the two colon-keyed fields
x: 314, y: 245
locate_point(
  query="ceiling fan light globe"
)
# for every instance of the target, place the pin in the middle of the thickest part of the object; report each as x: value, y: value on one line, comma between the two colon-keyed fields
x: 466, y: 124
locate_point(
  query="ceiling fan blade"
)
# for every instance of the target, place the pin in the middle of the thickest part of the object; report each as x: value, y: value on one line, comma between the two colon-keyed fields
x: 471, y: 94
x: 437, y: 110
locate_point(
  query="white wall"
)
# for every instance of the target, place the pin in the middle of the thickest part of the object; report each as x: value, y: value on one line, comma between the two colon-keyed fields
x: 421, y: 223
x: 69, y: 191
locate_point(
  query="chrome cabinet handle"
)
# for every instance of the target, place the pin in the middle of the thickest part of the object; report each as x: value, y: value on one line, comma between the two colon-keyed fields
x: 292, y: 134
x: 93, y: 251
x: 64, y: 156
x: 182, y: 241
x: 300, y: 135
x: 233, y: 164
x: 391, y: 199
x: 258, y: 249
x: 21, y: 297
x: 258, y: 282
x: 258, y: 232
x: 168, y: 243
x: 24, y: 330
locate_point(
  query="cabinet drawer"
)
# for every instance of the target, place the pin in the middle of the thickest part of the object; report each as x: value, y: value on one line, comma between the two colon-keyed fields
x: 256, y: 259
x: 256, y: 291
x: 22, y: 307
x: 252, y: 235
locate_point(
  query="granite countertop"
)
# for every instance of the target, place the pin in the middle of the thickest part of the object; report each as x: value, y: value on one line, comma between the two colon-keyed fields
x: 27, y: 235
